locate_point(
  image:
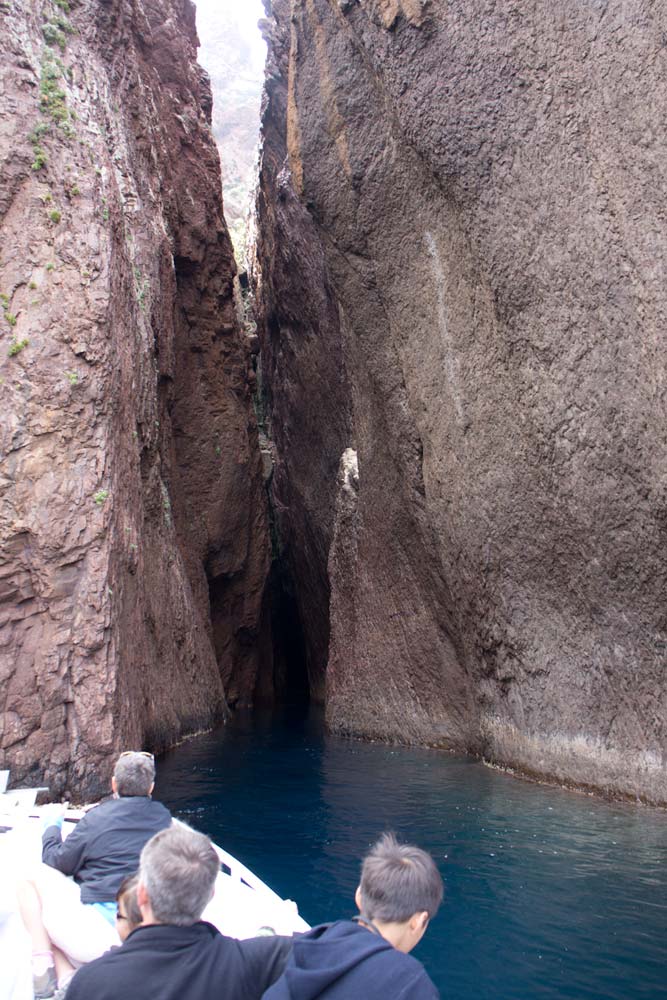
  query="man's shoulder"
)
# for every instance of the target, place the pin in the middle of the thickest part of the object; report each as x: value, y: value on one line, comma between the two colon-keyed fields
x: 148, y: 806
x: 93, y: 814
x: 265, y: 946
x: 141, y: 949
x: 382, y: 961
x: 125, y: 804
x: 99, y: 809
x: 409, y: 975
x: 97, y: 816
x: 89, y: 980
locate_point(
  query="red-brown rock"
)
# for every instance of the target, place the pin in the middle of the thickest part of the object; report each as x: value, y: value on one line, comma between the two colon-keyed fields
x: 132, y: 523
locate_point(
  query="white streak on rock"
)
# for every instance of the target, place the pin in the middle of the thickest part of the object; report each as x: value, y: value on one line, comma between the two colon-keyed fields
x: 451, y: 361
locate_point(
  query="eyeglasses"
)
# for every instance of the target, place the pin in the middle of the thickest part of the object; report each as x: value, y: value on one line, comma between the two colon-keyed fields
x: 137, y: 753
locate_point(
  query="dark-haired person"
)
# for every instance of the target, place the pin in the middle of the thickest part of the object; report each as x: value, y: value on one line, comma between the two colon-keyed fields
x: 173, y: 954
x: 128, y: 914
x: 73, y: 922
x: 399, y: 892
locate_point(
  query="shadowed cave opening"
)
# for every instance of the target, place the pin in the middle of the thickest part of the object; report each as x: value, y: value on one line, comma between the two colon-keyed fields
x: 279, y: 651
x: 290, y: 674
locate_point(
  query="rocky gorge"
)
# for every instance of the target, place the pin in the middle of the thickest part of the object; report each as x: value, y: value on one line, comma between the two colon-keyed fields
x: 458, y: 285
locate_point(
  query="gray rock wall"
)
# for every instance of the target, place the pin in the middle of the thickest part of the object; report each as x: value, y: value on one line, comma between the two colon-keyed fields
x: 484, y: 186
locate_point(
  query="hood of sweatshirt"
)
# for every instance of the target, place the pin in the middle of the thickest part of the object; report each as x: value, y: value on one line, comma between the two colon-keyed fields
x: 325, y: 955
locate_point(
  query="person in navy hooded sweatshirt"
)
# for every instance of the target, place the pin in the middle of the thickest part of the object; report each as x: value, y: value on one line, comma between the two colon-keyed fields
x: 400, y: 890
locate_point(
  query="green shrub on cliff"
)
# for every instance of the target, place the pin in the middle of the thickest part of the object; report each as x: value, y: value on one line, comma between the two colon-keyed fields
x: 35, y: 139
x: 40, y: 130
x: 56, y: 30
x: 4, y: 302
x: 17, y: 346
x: 53, y: 100
x: 61, y: 22
x: 53, y: 36
x: 40, y: 160
x: 101, y: 497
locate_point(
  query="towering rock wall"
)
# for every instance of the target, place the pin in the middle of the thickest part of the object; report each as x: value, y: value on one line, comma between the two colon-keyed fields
x: 133, y: 542
x: 461, y: 281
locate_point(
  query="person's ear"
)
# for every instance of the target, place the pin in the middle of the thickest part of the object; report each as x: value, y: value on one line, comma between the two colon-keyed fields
x: 143, y: 900
x: 357, y: 898
x: 114, y: 785
x: 419, y: 921
x: 150, y: 790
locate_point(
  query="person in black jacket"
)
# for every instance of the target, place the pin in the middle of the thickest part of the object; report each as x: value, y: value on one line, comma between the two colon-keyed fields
x: 70, y: 925
x: 174, y: 955
x: 399, y: 892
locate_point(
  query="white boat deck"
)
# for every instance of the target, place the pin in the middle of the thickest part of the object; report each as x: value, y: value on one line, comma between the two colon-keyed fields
x: 242, y: 905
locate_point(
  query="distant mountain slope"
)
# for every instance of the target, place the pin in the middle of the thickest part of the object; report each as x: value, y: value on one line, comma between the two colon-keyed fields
x: 236, y: 69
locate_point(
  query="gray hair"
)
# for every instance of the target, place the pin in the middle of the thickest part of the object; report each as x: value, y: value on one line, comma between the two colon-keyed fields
x: 397, y: 881
x: 178, y: 869
x: 134, y: 773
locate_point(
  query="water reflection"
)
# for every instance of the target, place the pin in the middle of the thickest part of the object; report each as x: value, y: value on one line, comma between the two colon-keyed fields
x: 549, y: 894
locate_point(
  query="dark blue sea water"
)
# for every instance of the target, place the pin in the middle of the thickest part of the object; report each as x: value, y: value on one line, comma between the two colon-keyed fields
x: 549, y: 894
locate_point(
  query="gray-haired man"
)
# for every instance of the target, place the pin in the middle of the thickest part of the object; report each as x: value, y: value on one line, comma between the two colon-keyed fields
x: 399, y: 892
x: 174, y: 955
x: 105, y: 845
x: 70, y: 925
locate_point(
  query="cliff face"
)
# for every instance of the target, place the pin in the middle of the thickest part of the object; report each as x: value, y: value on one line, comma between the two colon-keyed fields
x: 133, y: 542
x: 462, y: 297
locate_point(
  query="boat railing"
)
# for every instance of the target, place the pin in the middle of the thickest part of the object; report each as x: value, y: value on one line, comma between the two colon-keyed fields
x: 22, y: 801
x: 232, y: 867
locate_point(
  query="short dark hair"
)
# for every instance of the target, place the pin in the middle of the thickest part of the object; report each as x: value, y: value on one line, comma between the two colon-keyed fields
x: 178, y: 869
x: 127, y: 892
x: 134, y: 773
x: 397, y: 881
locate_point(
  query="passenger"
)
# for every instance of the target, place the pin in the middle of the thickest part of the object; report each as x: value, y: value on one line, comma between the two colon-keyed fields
x: 174, y: 954
x: 70, y: 924
x: 400, y: 891
x: 128, y: 914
